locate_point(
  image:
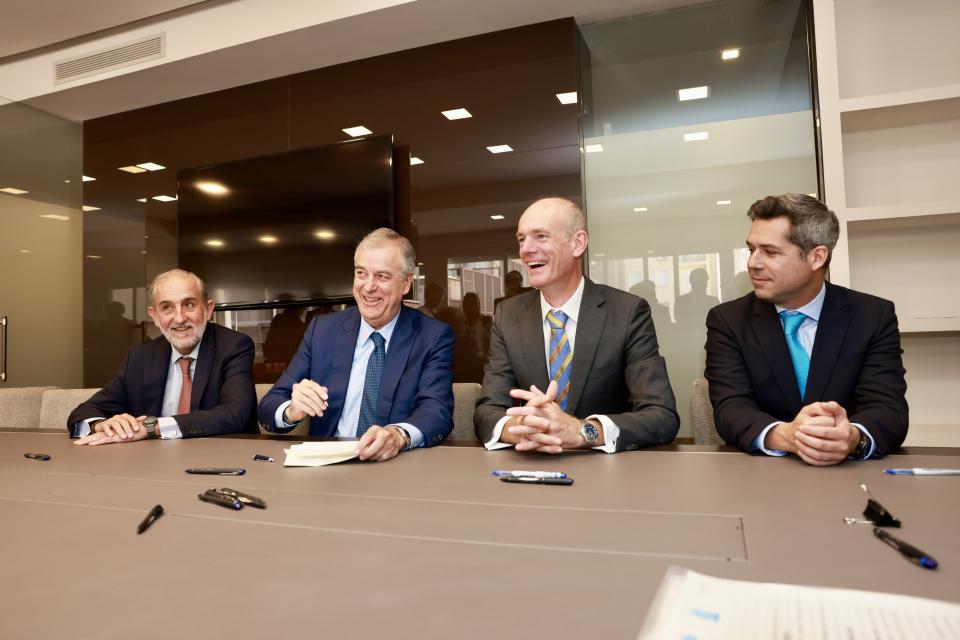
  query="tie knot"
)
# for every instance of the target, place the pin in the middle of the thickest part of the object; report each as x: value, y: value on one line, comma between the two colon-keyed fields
x: 791, y: 321
x: 185, y: 364
x: 557, y: 319
x: 378, y: 340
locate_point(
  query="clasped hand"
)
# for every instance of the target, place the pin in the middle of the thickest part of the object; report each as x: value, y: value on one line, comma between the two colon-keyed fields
x: 119, y: 428
x: 540, y: 424
x: 820, y: 435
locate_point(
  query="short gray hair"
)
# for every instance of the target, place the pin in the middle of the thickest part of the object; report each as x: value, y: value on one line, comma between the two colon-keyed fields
x: 152, y: 287
x: 811, y: 223
x: 382, y: 236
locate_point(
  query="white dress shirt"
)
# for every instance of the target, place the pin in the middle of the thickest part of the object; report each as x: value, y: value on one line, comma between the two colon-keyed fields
x: 571, y: 308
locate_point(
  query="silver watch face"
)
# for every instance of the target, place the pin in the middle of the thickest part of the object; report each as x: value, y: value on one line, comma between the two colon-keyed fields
x: 150, y: 422
x: 589, y: 432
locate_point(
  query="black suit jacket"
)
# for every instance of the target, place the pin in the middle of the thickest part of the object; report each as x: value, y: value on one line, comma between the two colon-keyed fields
x: 617, y: 370
x: 856, y: 361
x: 223, y: 397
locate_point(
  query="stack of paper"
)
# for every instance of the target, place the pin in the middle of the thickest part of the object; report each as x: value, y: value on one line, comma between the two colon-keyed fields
x: 318, y: 454
x: 692, y: 605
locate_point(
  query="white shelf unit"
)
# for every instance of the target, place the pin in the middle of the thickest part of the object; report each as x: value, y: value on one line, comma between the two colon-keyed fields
x: 889, y: 88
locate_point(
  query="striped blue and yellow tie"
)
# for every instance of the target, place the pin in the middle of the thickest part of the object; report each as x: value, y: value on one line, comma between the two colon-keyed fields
x: 560, y: 355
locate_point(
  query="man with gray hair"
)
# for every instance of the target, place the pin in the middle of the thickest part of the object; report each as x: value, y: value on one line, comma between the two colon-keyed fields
x: 802, y: 366
x: 380, y: 372
x: 195, y: 380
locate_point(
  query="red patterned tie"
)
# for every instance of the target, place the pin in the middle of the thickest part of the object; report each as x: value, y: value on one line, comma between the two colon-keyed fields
x: 185, y: 390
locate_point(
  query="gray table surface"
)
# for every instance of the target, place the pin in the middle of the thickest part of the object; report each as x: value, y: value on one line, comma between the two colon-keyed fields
x: 429, y: 545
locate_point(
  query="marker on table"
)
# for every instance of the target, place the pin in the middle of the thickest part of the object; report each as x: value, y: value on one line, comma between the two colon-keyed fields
x: 155, y: 513
x: 529, y: 474
x: 217, y: 471
x: 37, y: 456
x: 909, y: 552
x: 921, y: 471
x: 259, y: 457
x: 531, y: 480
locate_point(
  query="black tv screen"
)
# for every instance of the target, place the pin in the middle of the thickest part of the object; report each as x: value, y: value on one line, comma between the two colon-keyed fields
x: 285, y: 226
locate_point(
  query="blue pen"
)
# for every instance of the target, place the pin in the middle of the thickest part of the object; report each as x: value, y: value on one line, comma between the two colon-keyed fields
x: 920, y: 471
x: 529, y: 474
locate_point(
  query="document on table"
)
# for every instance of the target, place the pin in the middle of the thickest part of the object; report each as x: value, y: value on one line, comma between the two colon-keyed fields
x: 318, y: 454
x: 694, y: 606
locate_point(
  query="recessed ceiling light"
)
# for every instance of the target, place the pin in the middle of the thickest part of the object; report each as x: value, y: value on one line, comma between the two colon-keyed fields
x: 67, y: 181
x: 213, y: 188
x: 213, y: 242
x: 24, y: 250
x: 593, y: 148
x: 723, y: 202
x: 268, y: 239
x: 151, y: 166
x: 456, y: 114
x: 87, y: 207
x: 54, y: 216
x: 356, y: 132
x: 163, y: 198
x: 500, y: 148
x: 567, y: 98
x: 639, y: 209
x: 696, y: 135
x: 14, y: 191
x: 325, y: 234
x: 415, y: 160
x: 141, y: 199
x: 693, y: 93
x: 730, y: 54
x: 132, y: 169
x: 87, y: 179
x: 496, y: 217
x: 93, y: 257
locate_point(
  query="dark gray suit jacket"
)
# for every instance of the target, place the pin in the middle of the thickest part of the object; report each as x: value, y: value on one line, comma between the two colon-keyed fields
x: 617, y: 370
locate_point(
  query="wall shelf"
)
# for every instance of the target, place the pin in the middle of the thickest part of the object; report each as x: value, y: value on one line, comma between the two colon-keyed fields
x: 899, y: 98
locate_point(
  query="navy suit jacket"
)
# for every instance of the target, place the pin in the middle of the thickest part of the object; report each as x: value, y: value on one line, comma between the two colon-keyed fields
x: 223, y: 397
x: 856, y: 362
x: 416, y: 385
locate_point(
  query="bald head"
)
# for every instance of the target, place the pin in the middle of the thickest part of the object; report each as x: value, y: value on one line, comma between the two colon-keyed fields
x: 552, y: 234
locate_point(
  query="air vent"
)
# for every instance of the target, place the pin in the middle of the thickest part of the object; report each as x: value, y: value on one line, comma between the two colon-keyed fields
x: 91, y: 64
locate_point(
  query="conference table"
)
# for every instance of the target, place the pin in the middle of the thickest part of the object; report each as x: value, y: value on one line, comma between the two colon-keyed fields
x: 430, y: 544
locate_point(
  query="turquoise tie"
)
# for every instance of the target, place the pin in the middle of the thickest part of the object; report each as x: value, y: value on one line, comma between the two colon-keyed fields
x: 791, y: 321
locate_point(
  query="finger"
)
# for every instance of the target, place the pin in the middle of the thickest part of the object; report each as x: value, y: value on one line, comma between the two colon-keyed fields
x: 105, y: 440
x: 821, y: 444
x: 546, y: 439
x: 552, y: 389
x: 527, y: 410
x: 531, y: 424
x: 305, y: 404
x: 817, y: 421
x: 129, y: 424
x: 552, y: 449
x: 109, y: 428
x: 521, y: 394
x: 374, y: 443
x: 822, y: 432
x: 526, y: 445
x: 818, y: 454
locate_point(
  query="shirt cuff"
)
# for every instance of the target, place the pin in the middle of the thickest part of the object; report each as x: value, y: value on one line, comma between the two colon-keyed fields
x: 758, y: 442
x: 611, y: 432
x: 281, y: 425
x: 494, y: 441
x: 416, y: 436
x: 873, y: 444
x: 169, y: 429
x: 82, y: 428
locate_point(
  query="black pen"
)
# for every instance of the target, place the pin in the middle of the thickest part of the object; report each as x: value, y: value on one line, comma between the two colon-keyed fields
x: 259, y: 457
x: 37, y: 456
x: 217, y: 472
x: 155, y: 513
x: 222, y: 499
x: 909, y: 552
x: 529, y: 480
x: 247, y: 499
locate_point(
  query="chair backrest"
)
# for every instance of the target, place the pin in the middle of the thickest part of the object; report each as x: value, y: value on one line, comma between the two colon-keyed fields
x: 301, y: 429
x: 465, y: 396
x: 704, y: 428
x: 262, y: 390
x: 57, y: 405
x: 20, y: 407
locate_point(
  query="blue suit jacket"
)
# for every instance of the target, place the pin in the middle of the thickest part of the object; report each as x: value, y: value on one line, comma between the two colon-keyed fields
x: 416, y: 385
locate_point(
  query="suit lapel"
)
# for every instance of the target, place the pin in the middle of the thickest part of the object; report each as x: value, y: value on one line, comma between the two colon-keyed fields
x: 201, y: 373
x: 769, y: 333
x: 531, y: 337
x: 155, y: 377
x: 344, y: 345
x: 587, y: 341
x: 398, y: 351
x: 831, y: 331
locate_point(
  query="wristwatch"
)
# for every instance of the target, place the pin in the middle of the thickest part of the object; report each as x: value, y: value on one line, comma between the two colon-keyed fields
x: 403, y: 434
x: 590, y: 434
x: 150, y: 424
x: 863, y: 445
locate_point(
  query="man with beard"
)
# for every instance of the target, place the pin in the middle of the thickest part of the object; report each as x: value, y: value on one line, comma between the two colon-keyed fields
x: 197, y: 380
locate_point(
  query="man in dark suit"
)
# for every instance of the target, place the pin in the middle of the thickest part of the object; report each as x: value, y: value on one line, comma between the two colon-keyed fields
x: 799, y: 365
x: 380, y: 371
x: 196, y: 380
x: 582, y: 357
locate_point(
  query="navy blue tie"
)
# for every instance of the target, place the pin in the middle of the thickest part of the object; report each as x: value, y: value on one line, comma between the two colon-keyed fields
x: 371, y: 385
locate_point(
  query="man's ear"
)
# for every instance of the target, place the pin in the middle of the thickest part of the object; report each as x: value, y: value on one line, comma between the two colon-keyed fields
x: 817, y: 257
x: 210, y: 305
x: 579, y: 240
x: 407, y: 283
x: 153, y: 315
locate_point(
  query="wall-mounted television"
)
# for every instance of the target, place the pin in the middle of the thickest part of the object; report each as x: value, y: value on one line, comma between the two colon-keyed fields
x: 284, y: 226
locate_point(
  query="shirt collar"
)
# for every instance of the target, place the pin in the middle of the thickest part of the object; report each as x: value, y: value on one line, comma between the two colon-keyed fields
x: 813, y: 308
x: 176, y: 355
x: 571, y: 307
x: 386, y: 330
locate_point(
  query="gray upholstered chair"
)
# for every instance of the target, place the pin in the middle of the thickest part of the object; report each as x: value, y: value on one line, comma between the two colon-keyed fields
x: 20, y: 407
x: 704, y: 428
x: 57, y: 405
x: 465, y: 396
